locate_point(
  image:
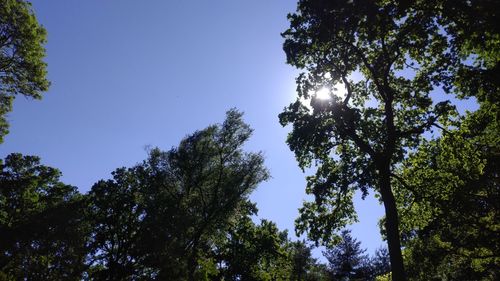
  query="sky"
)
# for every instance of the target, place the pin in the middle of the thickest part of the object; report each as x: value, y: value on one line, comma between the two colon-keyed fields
x: 127, y: 75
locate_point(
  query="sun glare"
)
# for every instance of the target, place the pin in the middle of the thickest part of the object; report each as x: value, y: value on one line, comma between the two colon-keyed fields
x: 326, y: 93
x: 323, y: 94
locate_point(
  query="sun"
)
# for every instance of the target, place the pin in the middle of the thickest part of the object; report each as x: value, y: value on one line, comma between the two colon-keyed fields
x: 326, y: 93
x: 323, y: 94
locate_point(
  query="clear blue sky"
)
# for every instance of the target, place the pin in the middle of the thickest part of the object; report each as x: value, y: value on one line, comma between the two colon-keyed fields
x: 129, y: 74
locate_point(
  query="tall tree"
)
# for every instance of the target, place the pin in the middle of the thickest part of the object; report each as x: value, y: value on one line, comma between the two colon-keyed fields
x: 177, y: 202
x: 302, y: 260
x: 391, y: 57
x: 42, y: 232
x: 115, y: 213
x: 22, y: 69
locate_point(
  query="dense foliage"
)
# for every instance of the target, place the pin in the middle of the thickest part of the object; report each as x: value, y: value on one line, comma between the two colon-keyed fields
x: 181, y: 214
x: 396, y: 61
x: 42, y: 231
x: 449, y: 198
x: 161, y: 217
x: 22, y: 69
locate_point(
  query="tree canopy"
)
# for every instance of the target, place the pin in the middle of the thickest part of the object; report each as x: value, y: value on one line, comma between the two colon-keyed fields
x: 181, y: 214
x: 448, y: 197
x: 22, y: 69
x: 166, y: 212
x: 42, y: 232
x: 395, y: 59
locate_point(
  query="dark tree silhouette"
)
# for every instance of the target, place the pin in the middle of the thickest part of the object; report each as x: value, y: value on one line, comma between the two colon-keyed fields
x: 380, y: 264
x: 346, y: 260
x: 302, y: 260
x: 166, y: 212
x: 115, y: 213
x: 42, y: 232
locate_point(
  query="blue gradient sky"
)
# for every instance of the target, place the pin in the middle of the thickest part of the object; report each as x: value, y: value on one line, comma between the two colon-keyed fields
x: 130, y: 74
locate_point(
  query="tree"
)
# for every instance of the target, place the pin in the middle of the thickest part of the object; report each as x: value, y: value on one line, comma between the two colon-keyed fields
x: 304, y: 266
x: 22, y: 69
x: 252, y: 251
x: 178, y: 202
x: 42, y: 232
x: 115, y: 213
x: 452, y: 183
x: 302, y: 260
x: 380, y: 264
x: 404, y: 52
x: 346, y: 260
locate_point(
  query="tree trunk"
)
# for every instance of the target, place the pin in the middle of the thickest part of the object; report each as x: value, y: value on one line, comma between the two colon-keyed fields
x: 392, y: 226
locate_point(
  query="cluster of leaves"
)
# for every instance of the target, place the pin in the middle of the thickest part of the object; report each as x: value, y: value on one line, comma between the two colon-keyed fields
x: 22, y: 69
x: 171, y: 207
x: 448, y: 189
x: 42, y: 232
x: 154, y: 220
x: 449, y: 198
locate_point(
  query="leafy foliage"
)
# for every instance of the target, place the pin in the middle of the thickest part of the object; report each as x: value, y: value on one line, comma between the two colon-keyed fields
x: 452, y: 184
x: 166, y: 212
x: 304, y: 266
x: 42, y: 232
x: 115, y: 215
x: 22, y: 70
x: 253, y: 252
x: 181, y: 214
x: 380, y: 263
x: 392, y: 57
